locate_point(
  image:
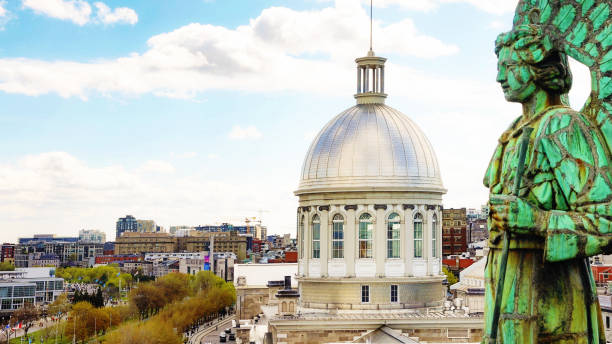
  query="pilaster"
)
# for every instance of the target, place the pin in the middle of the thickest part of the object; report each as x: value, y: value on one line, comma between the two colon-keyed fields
x: 307, y: 239
x: 408, y: 241
x: 380, y: 240
x: 325, y: 238
x: 350, y: 241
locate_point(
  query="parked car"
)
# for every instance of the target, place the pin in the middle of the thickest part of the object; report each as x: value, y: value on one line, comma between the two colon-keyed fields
x: 222, y: 338
x: 232, y: 336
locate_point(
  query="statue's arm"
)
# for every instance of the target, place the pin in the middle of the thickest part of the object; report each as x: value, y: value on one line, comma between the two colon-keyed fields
x: 580, y: 166
x: 570, y: 201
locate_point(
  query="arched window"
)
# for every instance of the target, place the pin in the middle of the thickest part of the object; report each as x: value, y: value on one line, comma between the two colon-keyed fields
x: 291, y: 307
x: 301, y: 234
x: 434, y: 235
x: 365, y: 236
x: 393, y: 236
x: 338, y: 236
x: 418, y: 236
x: 284, y: 306
x: 316, y: 237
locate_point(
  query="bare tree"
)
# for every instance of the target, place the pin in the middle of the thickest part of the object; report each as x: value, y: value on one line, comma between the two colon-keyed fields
x: 27, y: 316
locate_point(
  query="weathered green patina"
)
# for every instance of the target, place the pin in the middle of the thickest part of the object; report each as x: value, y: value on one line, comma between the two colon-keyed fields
x: 562, y: 212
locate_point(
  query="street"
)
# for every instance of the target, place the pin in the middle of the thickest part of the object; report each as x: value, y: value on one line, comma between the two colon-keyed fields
x: 211, y: 334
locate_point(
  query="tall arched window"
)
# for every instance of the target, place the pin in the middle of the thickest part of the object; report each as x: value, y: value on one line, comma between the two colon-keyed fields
x: 434, y: 235
x: 316, y: 237
x: 338, y: 236
x: 365, y: 236
x: 301, y: 234
x: 393, y: 236
x: 418, y: 236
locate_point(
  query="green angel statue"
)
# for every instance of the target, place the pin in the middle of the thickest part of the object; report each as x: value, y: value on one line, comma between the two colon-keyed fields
x: 550, y: 178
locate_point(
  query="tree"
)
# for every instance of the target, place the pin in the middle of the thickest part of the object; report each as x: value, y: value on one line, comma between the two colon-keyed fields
x: 98, y: 299
x: 26, y: 315
x: 150, y: 332
x: 6, y: 266
x: 61, y: 305
x: 450, y: 277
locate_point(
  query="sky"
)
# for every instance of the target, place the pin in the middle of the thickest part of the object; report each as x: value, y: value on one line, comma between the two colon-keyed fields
x: 200, y: 112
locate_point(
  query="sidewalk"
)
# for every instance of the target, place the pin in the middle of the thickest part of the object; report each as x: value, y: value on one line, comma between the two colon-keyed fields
x: 36, y: 327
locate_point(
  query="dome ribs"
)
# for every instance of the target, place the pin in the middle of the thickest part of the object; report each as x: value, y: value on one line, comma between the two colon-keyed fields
x: 397, y: 143
x: 370, y: 147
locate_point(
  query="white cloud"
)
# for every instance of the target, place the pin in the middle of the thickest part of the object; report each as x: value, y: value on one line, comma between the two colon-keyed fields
x: 3, y: 11
x: 247, y: 133
x: 188, y: 155
x: 79, y: 11
x: 5, y: 15
x: 500, y: 25
x: 61, y: 193
x: 491, y: 6
x: 279, y: 49
x: 212, y: 156
x: 76, y: 11
x: 118, y: 15
x: 156, y: 166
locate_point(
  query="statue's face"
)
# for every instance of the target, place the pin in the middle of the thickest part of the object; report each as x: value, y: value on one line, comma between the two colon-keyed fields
x: 515, y: 77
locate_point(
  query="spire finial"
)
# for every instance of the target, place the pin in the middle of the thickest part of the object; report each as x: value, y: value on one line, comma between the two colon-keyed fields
x: 371, y: 20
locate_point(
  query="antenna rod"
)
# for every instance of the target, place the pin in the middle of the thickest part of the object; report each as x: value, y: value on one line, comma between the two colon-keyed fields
x: 371, y: 19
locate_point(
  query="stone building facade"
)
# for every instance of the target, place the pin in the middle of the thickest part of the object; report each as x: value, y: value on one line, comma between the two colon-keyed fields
x: 140, y: 243
x: 370, y: 208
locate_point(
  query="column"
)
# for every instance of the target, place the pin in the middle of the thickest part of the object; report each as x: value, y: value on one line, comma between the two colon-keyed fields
x: 307, y: 237
x: 325, y: 238
x: 367, y: 79
x: 427, y: 239
x: 382, y: 79
x: 299, y: 234
x: 380, y: 240
x: 375, y: 76
x: 350, y: 241
x: 408, y: 241
x: 358, y: 79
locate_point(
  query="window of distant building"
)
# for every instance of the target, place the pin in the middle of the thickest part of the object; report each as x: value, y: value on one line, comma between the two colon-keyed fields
x: 394, y: 288
x: 365, y: 236
x: 316, y: 237
x: 393, y: 236
x: 418, y: 236
x: 365, y: 293
x: 338, y: 237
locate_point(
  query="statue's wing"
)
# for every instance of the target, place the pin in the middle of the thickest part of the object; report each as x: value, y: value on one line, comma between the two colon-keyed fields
x: 583, y: 29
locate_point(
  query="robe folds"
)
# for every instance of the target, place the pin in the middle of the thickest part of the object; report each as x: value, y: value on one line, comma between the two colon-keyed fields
x: 564, y: 216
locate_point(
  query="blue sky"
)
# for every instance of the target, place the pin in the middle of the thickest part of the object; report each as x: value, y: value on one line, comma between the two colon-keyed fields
x: 199, y: 112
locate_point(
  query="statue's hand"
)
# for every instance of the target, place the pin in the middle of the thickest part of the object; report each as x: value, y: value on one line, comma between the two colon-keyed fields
x: 514, y: 214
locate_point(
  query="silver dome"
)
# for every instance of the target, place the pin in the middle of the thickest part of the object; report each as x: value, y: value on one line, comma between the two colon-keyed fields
x: 370, y: 147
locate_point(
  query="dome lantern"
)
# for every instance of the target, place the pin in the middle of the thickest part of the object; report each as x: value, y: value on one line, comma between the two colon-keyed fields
x: 370, y: 79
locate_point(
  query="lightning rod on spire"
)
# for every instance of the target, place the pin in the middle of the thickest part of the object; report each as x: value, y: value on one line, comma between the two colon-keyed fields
x: 371, y: 19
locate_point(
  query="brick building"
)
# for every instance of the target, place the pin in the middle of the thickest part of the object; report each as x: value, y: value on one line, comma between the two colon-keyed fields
x: 454, y: 231
x: 8, y: 253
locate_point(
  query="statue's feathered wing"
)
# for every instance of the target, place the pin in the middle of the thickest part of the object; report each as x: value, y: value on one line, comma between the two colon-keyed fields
x: 581, y: 28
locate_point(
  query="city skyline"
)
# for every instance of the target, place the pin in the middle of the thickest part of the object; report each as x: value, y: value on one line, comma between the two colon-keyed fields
x: 202, y: 112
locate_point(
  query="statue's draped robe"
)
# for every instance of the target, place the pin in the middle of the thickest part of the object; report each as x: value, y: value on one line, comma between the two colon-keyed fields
x: 567, y: 181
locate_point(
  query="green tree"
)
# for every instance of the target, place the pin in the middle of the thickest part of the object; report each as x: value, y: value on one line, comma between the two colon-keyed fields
x: 6, y: 266
x: 61, y: 305
x: 450, y: 277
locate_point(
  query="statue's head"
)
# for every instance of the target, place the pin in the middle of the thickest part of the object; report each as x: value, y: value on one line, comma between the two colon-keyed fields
x: 527, y: 63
